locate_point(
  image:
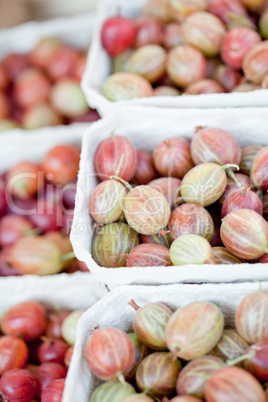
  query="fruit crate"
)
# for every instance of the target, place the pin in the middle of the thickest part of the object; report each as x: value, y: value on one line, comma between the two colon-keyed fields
x: 113, y: 311
x: 146, y: 128
x: 99, y: 68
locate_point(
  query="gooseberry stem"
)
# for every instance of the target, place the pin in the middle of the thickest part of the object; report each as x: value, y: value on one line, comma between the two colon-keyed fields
x: 232, y: 176
x: 119, y: 166
x: 121, y: 378
x: 229, y: 166
x: 260, y: 285
x: 240, y: 359
x: 67, y: 256
x: 133, y: 304
x: 122, y: 181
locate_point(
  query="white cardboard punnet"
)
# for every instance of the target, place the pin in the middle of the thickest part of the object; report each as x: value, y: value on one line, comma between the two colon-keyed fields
x: 146, y: 127
x: 75, y: 31
x: 99, y: 68
x: 113, y: 311
x: 76, y: 291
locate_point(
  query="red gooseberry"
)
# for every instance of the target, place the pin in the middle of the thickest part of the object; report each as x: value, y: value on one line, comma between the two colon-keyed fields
x: 18, y: 385
x: 13, y: 353
x: 109, y: 353
x: 26, y: 320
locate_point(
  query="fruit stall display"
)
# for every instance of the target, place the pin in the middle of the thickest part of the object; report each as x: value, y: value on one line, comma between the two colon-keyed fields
x: 37, y: 194
x: 166, y: 230
x: 203, y: 342
x: 38, y: 329
x: 40, y: 80
x: 150, y: 52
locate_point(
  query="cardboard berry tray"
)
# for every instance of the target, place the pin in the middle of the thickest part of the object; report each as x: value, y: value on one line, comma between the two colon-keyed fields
x: 146, y: 127
x: 113, y: 311
x: 99, y: 68
x: 77, y: 291
x: 76, y: 31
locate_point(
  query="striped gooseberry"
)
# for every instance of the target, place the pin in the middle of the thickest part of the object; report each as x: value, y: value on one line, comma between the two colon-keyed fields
x: 237, y: 43
x: 185, y: 64
x: 112, y: 391
x: 150, y: 322
x: 172, y: 157
x: 235, y: 182
x: 255, y: 72
x: 111, y: 244
x: 37, y: 255
x: 148, y: 61
x: 157, y: 374
x: 259, y: 170
x: 251, y: 319
x: 233, y: 384
x: 243, y: 198
x: 191, y: 219
x: 230, y: 346
x: 204, y: 184
x: 245, y: 234
x: 204, y: 31
x: 191, y: 249
x: 204, y: 86
x: 109, y: 353
x: 193, y: 377
x: 146, y: 210
x: 140, y: 352
x: 222, y: 256
x: 149, y: 255
x: 109, y: 154
x: 210, y: 145
x: 194, y: 330
x: 180, y: 9
x: 248, y: 154
x: 107, y: 200
x: 163, y: 240
x: 231, y: 12
x: 123, y: 86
